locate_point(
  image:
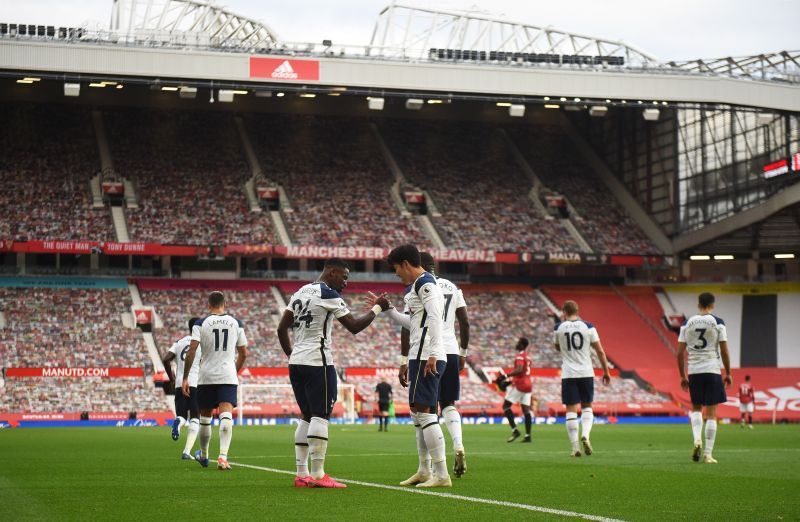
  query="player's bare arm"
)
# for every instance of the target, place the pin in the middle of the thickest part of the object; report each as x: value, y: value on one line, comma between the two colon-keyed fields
x: 187, y: 365
x: 357, y: 324
x: 682, y: 364
x: 601, y: 354
x: 167, y: 360
x: 726, y: 362
x: 405, y: 347
x: 285, y: 324
x: 463, y: 330
x: 241, y: 356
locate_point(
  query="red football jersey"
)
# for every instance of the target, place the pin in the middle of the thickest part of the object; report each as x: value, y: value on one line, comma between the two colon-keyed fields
x: 522, y: 382
x: 746, y: 393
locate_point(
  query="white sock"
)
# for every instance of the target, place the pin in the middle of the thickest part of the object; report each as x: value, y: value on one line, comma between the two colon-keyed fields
x: 434, y: 440
x: 711, y: 434
x: 225, y: 433
x: 318, y: 445
x: 587, y: 418
x: 572, y: 428
x: 301, y: 448
x: 696, y: 418
x: 191, y: 436
x: 422, y: 448
x: 181, y: 423
x: 205, y: 436
x: 452, y: 419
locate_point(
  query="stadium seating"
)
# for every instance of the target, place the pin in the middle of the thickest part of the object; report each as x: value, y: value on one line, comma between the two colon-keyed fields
x: 49, y: 156
x: 69, y: 395
x: 189, y: 172
x: 480, y: 191
x: 254, y: 309
x: 601, y: 220
x: 547, y: 390
x: 498, y: 319
x: 336, y: 179
x: 68, y: 327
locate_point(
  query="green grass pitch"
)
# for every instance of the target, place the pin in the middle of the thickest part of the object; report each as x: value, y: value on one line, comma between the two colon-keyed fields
x: 638, y: 472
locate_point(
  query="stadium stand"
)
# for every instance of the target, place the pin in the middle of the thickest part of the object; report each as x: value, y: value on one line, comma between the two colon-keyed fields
x: 189, y: 172
x: 601, y: 220
x: 336, y: 179
x: 49, y: 156
x: 255, y: 309
x: 480, y: 191
x: 66, y: 394
x: 49, y: 327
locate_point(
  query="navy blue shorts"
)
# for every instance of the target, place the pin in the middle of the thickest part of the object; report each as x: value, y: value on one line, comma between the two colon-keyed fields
x: 209, y: 396
x: 450, y: 383
x: 707, y: 389
x: 315, y: 388
x: 186, y: 407
x: 422, y: 390
x: 578, y: 390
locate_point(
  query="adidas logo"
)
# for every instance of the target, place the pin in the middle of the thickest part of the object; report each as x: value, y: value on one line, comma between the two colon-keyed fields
x: 285, y: 71
x: 142, y: 317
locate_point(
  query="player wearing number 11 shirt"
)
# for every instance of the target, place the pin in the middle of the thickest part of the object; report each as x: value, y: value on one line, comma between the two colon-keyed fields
x: 574, y: 337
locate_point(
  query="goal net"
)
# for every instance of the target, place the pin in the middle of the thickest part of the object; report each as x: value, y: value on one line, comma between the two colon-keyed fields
x: 251, y: 396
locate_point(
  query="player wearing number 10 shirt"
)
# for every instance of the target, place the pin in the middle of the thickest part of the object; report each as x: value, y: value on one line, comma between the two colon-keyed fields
x: 704, y: 337
x: 573, y: 337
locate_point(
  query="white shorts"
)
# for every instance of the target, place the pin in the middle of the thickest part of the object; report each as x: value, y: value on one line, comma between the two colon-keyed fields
x: 514, y: 395
x: 746, y: 408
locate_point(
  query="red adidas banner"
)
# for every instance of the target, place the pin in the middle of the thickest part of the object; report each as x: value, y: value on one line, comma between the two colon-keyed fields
x: 74, y: 372
x: 284, y: 69
x: 143, y: 315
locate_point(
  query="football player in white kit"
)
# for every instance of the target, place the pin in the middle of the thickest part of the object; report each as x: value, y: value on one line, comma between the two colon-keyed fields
x: 450, y: 384
x: 223, y: 343
x: 186, y: 409
x: 572, y: 337
x: 705, y: 338
x: 426, y: 364
x: 311, y: 368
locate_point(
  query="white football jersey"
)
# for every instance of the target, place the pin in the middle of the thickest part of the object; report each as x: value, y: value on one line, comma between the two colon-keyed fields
x: 574, y: 340
x: 314, y: 306
x: 219, y: 335
x: 702, y: 335
x: 424, y: 299
x: 453, y: 300
x: 179, y: 349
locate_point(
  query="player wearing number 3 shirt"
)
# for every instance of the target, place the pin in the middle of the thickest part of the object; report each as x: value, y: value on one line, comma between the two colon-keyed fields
x: 704, y: 337
x: 575, y: 338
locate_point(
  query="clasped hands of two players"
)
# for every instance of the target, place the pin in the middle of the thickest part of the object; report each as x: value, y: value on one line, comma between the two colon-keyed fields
x: 383, y: 301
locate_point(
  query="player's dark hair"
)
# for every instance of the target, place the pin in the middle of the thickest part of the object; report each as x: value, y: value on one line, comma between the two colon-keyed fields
x: 337, y: 263
x: 426, y: 261
x: 524, y: 341
x: 404, y: 253
x: 216, y: 299
x: 192, y: 321
x: 570, y: 307
x: 746, y: 377
x: 706, y: 299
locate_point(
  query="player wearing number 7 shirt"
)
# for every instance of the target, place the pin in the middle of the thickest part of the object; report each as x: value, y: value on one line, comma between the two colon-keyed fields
x: 573, y: 337
x: 704, y: 337
x: 186, y: 408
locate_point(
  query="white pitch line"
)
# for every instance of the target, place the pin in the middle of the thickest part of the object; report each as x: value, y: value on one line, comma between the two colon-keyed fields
x: 540, y: 453
x: 477, y: 500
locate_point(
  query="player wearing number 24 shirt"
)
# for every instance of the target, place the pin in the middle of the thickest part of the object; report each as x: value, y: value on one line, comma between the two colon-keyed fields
x: 704, y: 338
x: 574, y: 337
